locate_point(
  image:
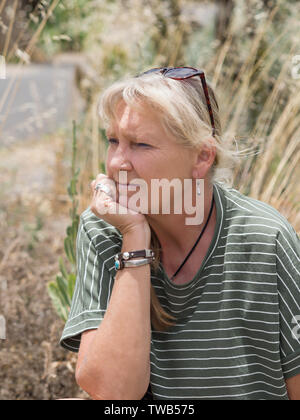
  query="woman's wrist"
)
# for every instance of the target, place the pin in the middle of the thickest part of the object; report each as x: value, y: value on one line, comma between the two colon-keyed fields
x: 137, y: 238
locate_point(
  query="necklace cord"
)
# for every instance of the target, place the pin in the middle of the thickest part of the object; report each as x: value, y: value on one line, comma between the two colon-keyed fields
x: 197, y: 241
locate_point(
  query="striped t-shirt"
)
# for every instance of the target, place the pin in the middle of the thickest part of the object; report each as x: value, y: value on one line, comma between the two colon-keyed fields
x: 237, y: 334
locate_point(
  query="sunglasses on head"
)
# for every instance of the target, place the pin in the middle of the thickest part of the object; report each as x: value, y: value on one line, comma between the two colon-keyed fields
x: 183, y: 73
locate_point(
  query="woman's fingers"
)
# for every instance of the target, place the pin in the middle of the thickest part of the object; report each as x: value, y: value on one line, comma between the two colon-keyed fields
x: 103, y: 185
x: 106, y: 205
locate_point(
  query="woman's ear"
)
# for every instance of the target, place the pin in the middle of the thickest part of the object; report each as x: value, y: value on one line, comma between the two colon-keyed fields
x: 205, y: 158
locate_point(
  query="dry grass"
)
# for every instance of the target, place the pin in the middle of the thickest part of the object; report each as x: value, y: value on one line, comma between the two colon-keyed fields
x: 272, y: 175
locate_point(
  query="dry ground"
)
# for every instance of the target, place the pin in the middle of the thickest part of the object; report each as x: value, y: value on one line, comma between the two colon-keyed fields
x: 33, y: 219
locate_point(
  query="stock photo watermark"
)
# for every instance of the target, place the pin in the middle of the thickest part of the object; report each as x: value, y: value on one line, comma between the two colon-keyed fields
x: 166, y: 197
x: 2, y: 67
x: 296, y: 67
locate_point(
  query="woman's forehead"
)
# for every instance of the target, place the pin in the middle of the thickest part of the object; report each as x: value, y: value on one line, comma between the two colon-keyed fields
x: 136, y: 111
x: 135, y: 121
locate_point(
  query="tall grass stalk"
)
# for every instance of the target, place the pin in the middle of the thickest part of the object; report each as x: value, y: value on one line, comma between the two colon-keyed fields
x: 62, y: 288
x: 41, y: 26
x: 2, y: 5
x: 10, y: 28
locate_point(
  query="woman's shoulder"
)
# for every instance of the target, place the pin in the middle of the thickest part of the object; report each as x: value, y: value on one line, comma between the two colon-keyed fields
x: 242, y: 209
x: 97, y: 229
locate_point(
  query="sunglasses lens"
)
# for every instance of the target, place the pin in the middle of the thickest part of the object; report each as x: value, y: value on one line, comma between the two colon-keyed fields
x: 156, y: 70
x: 180, y: 72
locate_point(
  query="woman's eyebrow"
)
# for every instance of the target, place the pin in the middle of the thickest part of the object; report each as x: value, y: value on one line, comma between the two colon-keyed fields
x: 109, y: 133
x: 145, y: 137
x: 128, y: 137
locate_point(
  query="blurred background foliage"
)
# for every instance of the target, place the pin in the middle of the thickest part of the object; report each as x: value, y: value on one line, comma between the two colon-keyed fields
x: 68, y: 27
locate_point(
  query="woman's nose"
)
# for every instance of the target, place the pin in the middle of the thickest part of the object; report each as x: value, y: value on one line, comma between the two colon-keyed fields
x: 120, y: 161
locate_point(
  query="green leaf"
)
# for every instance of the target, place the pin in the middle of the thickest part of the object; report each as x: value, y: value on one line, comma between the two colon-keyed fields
x: 69, y: 249
x: 62, y: 285
x: 71, y: 284
x: 63, y: 268
x: 56, y: 301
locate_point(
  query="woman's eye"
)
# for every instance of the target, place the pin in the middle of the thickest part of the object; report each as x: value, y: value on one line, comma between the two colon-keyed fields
x: 112, y: 141
x: 142, y: 145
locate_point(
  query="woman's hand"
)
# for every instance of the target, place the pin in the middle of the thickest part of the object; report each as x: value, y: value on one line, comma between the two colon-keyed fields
x: 107, y: 207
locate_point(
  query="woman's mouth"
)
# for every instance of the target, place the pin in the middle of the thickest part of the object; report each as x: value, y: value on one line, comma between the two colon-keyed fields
x: 126, y: 185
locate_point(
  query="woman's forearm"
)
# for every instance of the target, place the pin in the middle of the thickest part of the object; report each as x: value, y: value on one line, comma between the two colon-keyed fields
x: 117, y: 364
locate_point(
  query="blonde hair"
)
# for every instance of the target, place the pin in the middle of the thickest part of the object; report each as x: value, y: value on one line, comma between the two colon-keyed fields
x: 182, y: 110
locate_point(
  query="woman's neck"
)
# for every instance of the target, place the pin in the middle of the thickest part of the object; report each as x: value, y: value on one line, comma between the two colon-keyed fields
x: 174, y: 235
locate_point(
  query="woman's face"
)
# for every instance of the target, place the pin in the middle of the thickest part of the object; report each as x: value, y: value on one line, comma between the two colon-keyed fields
x: 139, y: 145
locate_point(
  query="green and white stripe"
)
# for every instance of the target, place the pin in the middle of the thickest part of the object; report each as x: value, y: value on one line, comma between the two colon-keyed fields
x: 236, y: 320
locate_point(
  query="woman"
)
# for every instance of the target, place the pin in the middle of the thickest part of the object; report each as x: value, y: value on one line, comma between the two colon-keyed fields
x: 208, y: 309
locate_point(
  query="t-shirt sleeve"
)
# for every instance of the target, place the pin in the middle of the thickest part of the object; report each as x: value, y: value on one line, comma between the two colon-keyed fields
x: 288, y: 271
x: 94, y: 282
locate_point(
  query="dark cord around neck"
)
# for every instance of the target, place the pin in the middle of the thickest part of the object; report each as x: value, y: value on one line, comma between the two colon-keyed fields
x: 197, y: 241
